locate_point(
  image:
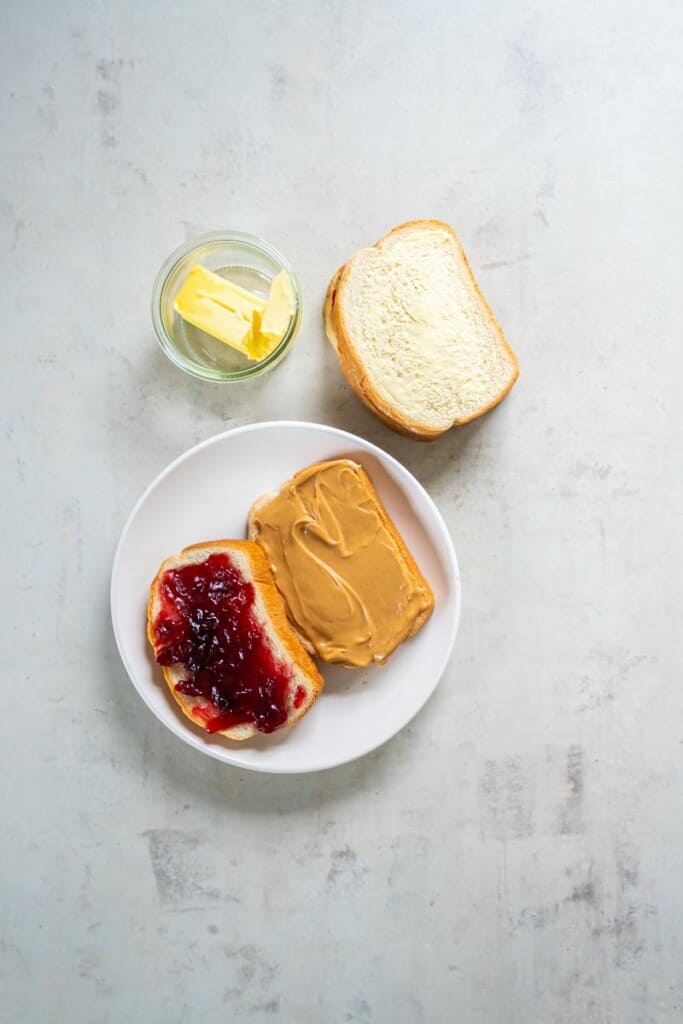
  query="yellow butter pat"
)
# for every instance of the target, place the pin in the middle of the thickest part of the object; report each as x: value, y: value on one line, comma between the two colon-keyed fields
x: 219, y: 307
x: 259, y: 346
x: 233, y: 315
x: 279, y: 308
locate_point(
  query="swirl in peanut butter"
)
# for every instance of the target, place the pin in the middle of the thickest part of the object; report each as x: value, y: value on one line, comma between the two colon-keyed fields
x: 350, y: 586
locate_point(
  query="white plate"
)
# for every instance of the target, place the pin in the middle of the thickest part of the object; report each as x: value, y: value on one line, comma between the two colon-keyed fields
x: 205, y: 494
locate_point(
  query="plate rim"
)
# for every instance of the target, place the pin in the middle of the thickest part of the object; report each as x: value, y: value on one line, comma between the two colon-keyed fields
x: 222, y: 754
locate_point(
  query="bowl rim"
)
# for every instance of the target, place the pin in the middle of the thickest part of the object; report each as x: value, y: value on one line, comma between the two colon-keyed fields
x: 167, y: 342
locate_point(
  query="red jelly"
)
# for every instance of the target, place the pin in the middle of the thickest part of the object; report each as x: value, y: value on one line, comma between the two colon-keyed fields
x: 207, y: 624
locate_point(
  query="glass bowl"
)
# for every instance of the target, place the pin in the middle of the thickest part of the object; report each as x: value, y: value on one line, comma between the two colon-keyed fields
x: 248, y: 261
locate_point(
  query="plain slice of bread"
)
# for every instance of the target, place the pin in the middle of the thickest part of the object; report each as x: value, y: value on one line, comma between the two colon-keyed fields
x: 414, y: 592
x: 415, y: 337
x: 269, y: 609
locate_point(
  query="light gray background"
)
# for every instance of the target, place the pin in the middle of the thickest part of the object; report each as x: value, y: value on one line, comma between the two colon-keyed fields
x: 515, y: 854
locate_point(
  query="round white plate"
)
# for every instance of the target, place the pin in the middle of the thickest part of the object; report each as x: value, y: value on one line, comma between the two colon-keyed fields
x: 205, y: 494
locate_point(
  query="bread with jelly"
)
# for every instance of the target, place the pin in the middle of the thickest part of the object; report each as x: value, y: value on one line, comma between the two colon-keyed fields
x: 219, y: 629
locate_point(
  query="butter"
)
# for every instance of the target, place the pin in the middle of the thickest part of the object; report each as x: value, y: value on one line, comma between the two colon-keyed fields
x: 279, y: 308
x: 219, y: 307
x: 235, y: 316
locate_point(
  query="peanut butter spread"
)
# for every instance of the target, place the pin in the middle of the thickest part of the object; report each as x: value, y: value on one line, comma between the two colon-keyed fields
x: 350, y: 585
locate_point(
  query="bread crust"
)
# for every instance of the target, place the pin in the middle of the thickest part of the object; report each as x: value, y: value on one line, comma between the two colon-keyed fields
x: 352, y: 367
x: 388, y: 523
x: 278, y: 622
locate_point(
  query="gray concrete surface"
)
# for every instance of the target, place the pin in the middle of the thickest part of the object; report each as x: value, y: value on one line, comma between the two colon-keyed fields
x: 515, y: 855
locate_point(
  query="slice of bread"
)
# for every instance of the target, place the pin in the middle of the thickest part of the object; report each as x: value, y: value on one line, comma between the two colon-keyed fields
x: 270, y: 618
x: 415, y: 337
x: 351, y: 587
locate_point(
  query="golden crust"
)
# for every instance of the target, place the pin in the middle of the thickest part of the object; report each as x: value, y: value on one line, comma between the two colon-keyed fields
x: 352, y: 367
x: 262, y: 579
x: 389, y: 524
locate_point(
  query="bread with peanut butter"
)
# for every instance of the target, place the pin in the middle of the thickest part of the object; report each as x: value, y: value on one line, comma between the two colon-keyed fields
x: 415, y: 337
x: 219, y: 629
x: 351, y: 587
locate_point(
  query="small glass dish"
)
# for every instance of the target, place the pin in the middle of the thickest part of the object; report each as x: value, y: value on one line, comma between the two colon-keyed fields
x: 244, y: 259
